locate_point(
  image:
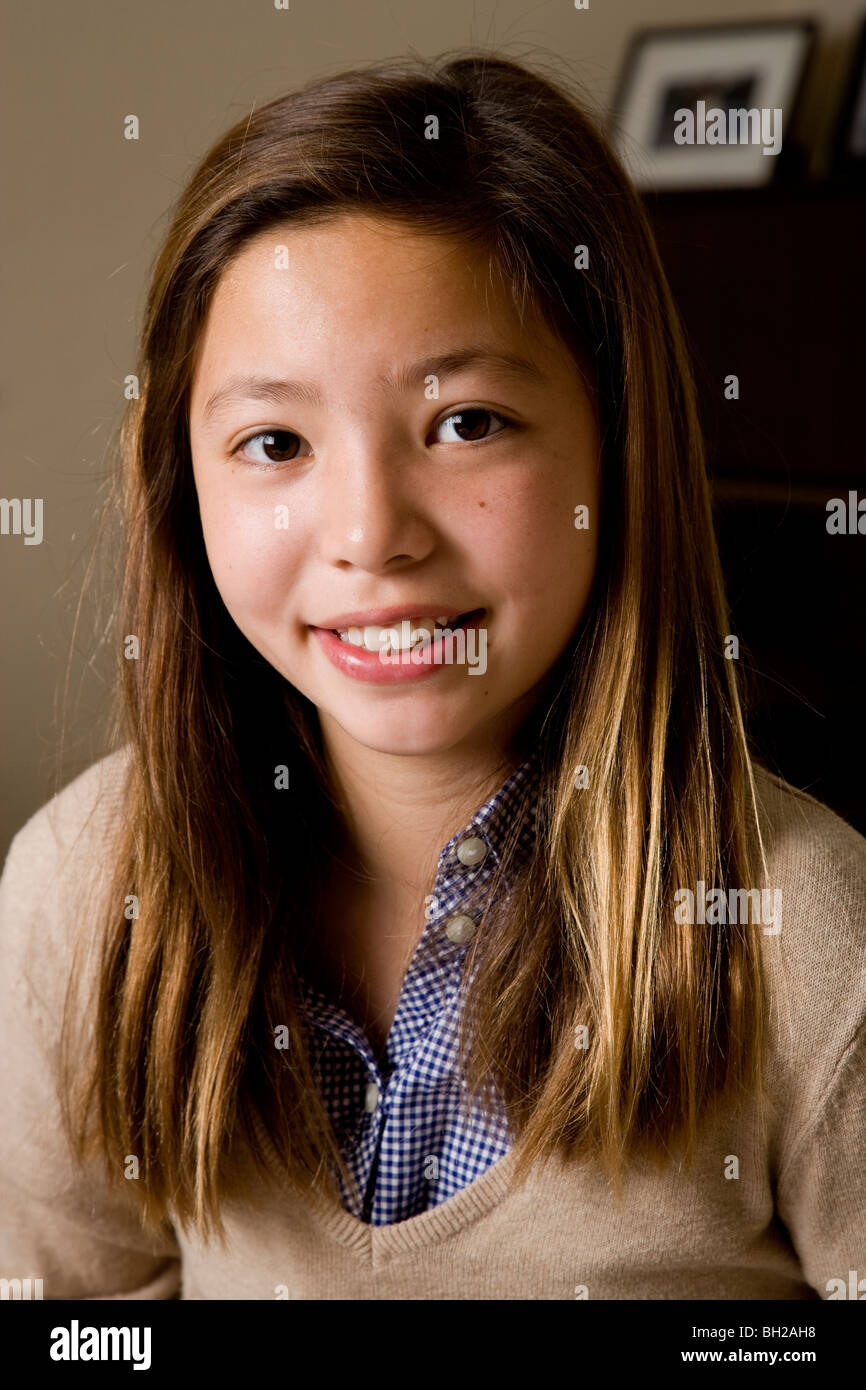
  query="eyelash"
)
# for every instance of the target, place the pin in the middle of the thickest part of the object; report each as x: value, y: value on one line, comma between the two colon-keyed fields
x: 504, y: 420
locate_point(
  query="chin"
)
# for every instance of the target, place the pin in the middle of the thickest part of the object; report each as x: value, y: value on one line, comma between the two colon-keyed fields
x: 403, y: 736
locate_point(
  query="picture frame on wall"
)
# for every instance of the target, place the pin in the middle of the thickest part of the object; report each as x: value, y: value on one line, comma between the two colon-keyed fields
x: 849, y: 159
x: 710, y: 106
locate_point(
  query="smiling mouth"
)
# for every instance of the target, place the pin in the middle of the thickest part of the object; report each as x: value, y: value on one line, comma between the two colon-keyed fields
x: 410, y: 632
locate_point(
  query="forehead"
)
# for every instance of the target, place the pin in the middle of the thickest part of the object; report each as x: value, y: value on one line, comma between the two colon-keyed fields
x: 357, y: 255
x: 358, y: 285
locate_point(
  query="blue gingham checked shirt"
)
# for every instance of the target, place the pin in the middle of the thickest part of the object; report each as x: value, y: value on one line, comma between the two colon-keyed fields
x: 400, y: 1128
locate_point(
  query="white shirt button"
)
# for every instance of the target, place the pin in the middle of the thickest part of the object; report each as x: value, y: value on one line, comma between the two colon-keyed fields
x: 460, y: 928
x: 472, y: 851
x: 371, y: 1097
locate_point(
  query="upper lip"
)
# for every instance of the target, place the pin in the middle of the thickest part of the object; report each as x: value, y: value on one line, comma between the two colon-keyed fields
x: 382, y: 617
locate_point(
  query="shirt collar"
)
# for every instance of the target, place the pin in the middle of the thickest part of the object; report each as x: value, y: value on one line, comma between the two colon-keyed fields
x: 460, y: 886
x: 494, y: 821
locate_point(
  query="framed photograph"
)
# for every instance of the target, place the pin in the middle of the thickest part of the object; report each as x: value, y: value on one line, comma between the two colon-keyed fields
x: 709, y: 107
x: 849, y: 161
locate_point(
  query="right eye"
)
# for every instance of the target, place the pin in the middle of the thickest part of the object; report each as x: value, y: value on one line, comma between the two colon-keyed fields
x: 282, y: 443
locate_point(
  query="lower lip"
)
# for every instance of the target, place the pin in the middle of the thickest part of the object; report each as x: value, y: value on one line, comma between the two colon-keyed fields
x: 363, y: 665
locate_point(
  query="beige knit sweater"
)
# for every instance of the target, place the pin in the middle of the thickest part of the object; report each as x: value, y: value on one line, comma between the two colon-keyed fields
x: 790, y: 1221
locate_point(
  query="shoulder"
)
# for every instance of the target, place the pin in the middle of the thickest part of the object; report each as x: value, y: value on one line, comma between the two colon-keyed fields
x: 808, y: 839
x: 90, y: 803
x: 815, y: 964
x: 55, y: 861
x: 817, y: 862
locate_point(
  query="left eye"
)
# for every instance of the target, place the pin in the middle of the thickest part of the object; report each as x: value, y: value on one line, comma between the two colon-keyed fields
x: 474, y: 422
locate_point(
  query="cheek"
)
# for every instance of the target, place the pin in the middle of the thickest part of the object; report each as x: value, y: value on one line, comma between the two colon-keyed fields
x: 252, y: 551
x: 525, y: 538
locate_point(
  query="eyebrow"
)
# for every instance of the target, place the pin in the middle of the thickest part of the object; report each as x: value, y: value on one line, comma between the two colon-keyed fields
x: 282, y: 392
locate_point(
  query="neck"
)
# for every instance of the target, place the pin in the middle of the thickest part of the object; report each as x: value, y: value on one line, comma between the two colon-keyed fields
x: 398, y: 811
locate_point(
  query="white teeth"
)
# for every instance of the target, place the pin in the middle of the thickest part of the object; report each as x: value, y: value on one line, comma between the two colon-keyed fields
x: 400, y: 636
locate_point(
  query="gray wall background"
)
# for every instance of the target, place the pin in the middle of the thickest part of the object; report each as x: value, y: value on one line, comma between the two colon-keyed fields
x: 83, y: 213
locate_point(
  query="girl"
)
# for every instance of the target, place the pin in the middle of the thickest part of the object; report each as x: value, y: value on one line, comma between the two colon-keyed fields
x: 430, y: 932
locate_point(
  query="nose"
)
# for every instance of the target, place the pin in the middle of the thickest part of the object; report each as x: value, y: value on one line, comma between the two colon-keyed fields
x: 371, y: 511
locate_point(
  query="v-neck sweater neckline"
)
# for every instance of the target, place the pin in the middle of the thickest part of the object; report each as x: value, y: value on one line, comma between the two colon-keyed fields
x: 461, y: 1209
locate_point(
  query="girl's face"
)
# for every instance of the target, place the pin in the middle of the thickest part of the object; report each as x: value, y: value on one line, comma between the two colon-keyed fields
x: 346, y: 485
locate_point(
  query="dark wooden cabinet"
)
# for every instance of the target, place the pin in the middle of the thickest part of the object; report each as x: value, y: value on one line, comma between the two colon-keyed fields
x: 770, y: 286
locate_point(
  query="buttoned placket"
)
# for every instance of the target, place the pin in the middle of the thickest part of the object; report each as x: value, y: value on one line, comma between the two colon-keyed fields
x: 442, y: 947
x: 426, y: 1009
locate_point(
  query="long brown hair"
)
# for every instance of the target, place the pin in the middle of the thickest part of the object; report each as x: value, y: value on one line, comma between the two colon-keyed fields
x: 222, y: 867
